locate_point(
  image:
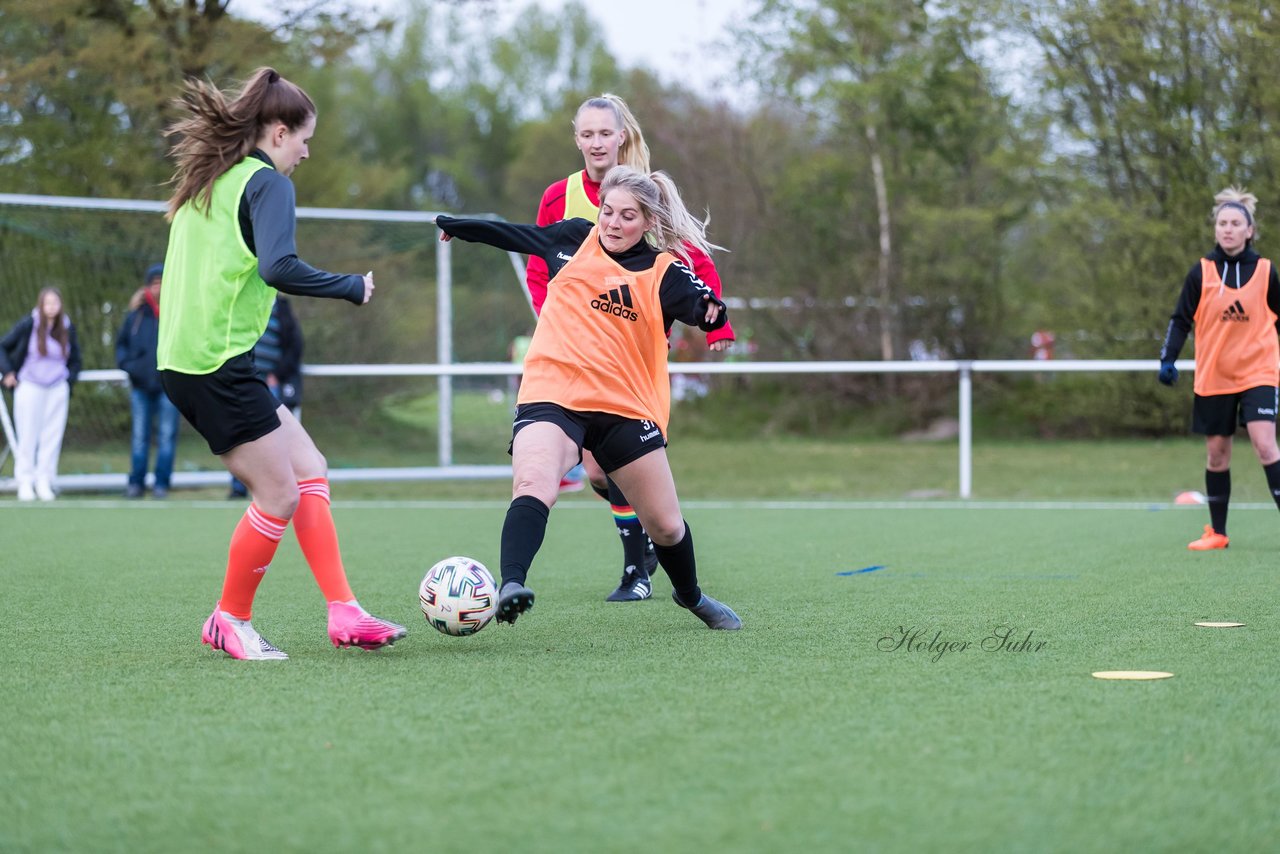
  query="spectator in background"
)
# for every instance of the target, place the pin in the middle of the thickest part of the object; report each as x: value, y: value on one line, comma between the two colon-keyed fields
x: 1042, y: 341
x: 153, y: 412
x: 40, y: 360
x: 277, y: 358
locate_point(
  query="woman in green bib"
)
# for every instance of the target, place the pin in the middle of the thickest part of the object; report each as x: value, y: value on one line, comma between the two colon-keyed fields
x: 231, y: 248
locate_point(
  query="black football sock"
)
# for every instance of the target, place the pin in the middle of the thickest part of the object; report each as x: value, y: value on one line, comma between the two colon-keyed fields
x: 1217, y: 489
x: 681, y: 568
x: 1273, y: 480
x: 634, y: 541
x: 602, y: 491
x: 522, y: 534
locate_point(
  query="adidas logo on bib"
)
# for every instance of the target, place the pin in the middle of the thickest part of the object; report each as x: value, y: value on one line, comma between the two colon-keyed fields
x: 1235, y: 313
x: 616, y: 301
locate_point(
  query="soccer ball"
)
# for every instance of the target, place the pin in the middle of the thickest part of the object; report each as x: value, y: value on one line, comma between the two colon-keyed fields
x: 458, y: 596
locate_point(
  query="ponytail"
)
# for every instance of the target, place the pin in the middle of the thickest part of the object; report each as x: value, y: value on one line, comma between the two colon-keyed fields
x: 218, y: 133
x: 634, y: 151
x: 671, y: 227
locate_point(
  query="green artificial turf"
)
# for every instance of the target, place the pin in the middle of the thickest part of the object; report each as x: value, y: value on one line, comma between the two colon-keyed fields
x: 595, y: 727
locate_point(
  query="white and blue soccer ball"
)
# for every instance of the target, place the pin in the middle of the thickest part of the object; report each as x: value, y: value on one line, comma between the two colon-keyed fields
x: 458, y: 596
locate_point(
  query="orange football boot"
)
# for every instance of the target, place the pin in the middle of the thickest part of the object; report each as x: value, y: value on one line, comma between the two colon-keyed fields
x: 1211, y: 540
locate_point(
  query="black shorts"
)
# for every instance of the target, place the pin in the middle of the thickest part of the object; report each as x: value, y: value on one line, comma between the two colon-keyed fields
x: 614, y: 439
x: 1218, y: 414
x: 228, y: 407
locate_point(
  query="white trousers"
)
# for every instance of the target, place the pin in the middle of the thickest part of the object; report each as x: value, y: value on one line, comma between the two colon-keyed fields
x: 40, y: 420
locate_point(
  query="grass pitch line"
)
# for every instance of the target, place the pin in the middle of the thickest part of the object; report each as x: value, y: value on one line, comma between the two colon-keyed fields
x: 71, y: 501
x: 1131, y: 675
x: 801, y: 504
x: 1211, y: 625
x: 594, y: 504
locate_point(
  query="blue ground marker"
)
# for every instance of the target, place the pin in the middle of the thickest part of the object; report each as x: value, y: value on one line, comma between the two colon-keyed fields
x: 860, y: 571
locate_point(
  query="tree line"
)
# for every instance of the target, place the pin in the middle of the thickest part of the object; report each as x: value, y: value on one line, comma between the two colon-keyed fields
x: 912, y: 178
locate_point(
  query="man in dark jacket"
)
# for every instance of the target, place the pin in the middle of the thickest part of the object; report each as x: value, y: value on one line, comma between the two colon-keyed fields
x: 153, y: 413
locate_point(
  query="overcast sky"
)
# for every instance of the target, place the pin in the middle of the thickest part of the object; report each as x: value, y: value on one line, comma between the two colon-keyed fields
x: 678, y: 40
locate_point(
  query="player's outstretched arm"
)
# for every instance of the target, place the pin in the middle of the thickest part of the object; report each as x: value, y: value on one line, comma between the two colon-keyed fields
x: 688, y: 300
x: 705, y: 269
x: 542, y: 241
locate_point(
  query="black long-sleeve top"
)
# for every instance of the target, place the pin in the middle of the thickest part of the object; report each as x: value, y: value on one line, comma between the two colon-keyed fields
x: 1234, y: 270
x: 268, y: 223
x: 682, y: 294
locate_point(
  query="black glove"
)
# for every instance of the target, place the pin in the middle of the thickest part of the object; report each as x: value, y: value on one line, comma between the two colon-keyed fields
x: 1168, y: 373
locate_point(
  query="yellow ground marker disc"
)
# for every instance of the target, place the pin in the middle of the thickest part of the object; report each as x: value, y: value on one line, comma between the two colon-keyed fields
x: 1208, y: 625
x: 1131, y: 674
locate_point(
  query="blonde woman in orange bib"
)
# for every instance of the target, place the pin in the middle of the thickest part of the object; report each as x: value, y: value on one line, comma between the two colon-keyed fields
x: 1231, y: 297
x: 595, y: 375
x: 608, y: 135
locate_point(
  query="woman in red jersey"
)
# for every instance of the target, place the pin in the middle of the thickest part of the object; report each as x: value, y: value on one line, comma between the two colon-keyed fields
x: 1232, y: 299
x: 607, y: 134
x: 595, y: 376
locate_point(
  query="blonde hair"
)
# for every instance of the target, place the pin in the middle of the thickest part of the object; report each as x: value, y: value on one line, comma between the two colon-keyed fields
x: 670, y: 225
x: 634, y: 151
x: 1236, y: 197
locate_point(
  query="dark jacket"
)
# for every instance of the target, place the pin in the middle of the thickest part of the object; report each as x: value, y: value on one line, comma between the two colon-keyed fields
x: 279, y: 353
x: 136, y: 348
x: 13, y: 349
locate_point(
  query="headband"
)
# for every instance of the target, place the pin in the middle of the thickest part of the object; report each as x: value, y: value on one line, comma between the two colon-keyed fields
x: 1248, y: 216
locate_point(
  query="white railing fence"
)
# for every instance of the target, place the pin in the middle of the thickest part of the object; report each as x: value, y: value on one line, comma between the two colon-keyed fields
x: 445, y: 369
x: 964, y: 371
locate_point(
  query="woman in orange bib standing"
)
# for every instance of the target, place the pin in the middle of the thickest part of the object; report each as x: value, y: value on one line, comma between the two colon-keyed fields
x: 1232, y: 299
x: 595, y: 376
